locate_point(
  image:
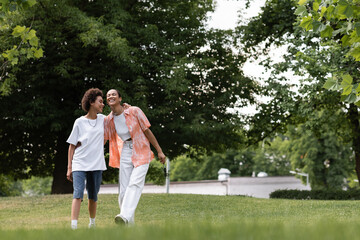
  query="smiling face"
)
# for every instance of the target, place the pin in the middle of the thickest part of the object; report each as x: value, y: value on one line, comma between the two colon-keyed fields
x: 98, y: 105
x: 113, y: 98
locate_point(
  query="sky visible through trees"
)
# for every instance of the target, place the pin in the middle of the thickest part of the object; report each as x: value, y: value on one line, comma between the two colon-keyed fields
x: 226, y: 16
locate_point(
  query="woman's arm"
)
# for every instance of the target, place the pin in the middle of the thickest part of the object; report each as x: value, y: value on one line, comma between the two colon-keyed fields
x: 150, y: 136
x: 70, y: 157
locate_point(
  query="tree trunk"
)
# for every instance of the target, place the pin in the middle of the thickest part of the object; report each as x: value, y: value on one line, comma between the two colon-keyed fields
x: 354, y: 118
x: 60, y: 184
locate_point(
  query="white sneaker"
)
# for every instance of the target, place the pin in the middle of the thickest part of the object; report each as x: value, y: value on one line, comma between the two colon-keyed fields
x: 73, y: 227
x: 120, y: 220
x: 92, y: 225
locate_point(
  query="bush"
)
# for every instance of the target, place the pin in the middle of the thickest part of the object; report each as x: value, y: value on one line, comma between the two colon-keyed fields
x: 184, y: 168
x: 37, y: 186
x: 34, y: 186
x: 155, y: 173
x: 329, y: 194
x: 9, y: 187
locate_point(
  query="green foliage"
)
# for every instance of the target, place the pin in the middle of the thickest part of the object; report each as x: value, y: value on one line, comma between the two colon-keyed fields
x: 184, y: 168
x: 15, y: 5
x: 273, y: 158
x: 9, y: 187
x: 327, y: 194
x: 270, y: 27
x: 302, y: 147
x: 24, y: 39
x: 159, y: 54
x: 212, y: 164
x: 246, y: 161
x: 204, y: 166
x: 27, y: 37
x: 36, y: 186
x: 352, y: 180
x: 330, y: 127
x: 155, y: 173
x: 338, y: 20
x: 320, y: 152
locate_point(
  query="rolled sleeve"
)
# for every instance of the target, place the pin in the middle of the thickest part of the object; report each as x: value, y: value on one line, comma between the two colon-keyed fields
x: 143, y: 121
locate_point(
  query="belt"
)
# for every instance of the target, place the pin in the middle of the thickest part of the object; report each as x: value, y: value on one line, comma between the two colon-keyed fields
x: 129, y: 143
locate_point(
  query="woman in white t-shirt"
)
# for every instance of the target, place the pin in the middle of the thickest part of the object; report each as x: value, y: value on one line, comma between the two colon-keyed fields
x: 86, y: 154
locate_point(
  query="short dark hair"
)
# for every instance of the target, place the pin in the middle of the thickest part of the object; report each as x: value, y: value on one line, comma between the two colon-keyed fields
x: 90, y: 97
x: 118, y: 92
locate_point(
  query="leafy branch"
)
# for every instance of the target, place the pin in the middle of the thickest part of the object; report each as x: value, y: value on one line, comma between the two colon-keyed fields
x: 337, y: 20
x: 29, y: 45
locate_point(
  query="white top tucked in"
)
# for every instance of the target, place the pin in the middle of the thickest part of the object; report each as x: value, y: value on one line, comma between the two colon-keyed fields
x: 90, y: 133
x: 121, y: 127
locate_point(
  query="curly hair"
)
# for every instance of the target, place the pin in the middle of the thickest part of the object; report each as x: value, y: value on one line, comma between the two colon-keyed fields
x: 90, y: 97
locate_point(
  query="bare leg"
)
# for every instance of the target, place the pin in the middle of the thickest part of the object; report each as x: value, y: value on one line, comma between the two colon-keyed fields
x: 75, y: 208
x: 92, y: 208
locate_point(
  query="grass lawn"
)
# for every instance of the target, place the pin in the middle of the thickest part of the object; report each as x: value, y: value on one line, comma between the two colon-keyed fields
x: 177, y: 216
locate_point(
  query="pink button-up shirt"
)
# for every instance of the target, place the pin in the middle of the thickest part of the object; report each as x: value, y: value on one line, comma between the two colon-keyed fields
x: 137, y: 123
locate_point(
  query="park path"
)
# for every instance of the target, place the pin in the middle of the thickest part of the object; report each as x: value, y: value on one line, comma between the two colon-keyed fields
x: 249, y: 186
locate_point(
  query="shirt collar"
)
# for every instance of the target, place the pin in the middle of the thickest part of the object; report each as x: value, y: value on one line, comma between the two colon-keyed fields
x: 111, y: 115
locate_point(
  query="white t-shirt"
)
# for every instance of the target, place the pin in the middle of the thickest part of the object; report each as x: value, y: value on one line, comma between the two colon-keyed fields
x: 90, y: 133
x: 121, y: 127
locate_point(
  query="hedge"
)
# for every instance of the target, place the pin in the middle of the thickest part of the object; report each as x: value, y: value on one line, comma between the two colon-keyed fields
x: 326, y: 194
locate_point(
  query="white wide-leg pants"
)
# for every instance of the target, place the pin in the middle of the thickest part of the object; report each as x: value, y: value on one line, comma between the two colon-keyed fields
x: 131, y: 181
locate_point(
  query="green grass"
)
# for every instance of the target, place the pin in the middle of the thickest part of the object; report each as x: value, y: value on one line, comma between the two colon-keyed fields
x: 161, y: 216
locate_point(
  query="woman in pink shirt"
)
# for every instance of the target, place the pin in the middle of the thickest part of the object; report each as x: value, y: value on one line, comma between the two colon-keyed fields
x: 129, y: 142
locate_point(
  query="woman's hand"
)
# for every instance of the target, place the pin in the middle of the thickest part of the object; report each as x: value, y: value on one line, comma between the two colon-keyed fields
x: 69, y: 175
x: 126, y: 105
x: 162, y: 157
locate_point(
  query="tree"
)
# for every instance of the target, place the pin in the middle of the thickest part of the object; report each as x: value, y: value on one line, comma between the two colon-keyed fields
x: 307, y: 59
x: 323, y: 153
x: 273, y: 158
x: 184, y: 168
x: 157, y: 53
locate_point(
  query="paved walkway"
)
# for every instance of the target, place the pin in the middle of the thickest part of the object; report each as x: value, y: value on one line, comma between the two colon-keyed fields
x: 249, y: 186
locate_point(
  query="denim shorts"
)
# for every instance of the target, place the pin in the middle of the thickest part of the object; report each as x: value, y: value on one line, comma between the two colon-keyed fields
x: 93, y: 181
